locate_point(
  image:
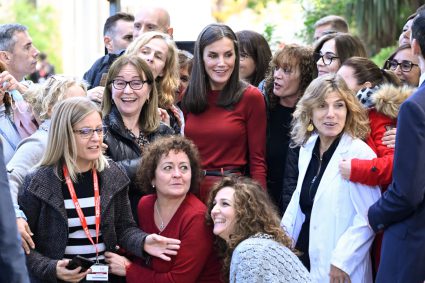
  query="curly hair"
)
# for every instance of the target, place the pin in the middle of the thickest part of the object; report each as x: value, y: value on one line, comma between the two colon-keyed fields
x: 44, y: 96
x: 291, y: 56
x: 254, y: 213
x: 356, y: 123
x: 161, y: 147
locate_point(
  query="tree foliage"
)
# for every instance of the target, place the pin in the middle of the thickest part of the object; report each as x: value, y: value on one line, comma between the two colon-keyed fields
x: 42, y: 25
x: 378, y: 23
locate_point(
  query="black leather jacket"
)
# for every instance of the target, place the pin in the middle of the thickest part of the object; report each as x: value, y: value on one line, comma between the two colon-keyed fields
x: 125, y: 151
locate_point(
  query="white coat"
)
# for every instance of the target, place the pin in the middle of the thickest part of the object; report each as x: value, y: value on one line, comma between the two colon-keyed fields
x: 339, y: 231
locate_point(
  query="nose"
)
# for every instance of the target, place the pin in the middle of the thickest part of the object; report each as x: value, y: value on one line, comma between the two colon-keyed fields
x: 215, y: 210
x: 176, y: 173
x: 331, y: 111
x: 36, y: 52
x: 277, y: 73
x: 95, y: 136
x: 397, y: 70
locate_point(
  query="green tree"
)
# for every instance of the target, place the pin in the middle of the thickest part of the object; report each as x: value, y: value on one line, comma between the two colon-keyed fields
x: 378, y: 23
x: 43, y: 28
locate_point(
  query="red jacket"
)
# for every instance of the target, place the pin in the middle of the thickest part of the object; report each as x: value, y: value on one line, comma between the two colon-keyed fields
x: 378, y: 171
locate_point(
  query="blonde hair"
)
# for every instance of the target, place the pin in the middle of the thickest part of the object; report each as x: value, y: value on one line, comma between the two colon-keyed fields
x: 169, y: 82
x: 356, y: 123
x: 42, y: 97
x: 61, y: 146
x: 148, y: 118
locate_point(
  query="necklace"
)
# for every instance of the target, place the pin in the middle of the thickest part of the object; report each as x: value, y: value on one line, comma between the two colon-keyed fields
x: 161, y: 226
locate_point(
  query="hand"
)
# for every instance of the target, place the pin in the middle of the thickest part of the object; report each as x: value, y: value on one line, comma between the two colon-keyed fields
x: 338, y: 276
x: 8, y: 82
x: 117, y: 264
x: 25, y: 231
x: 160, y: 246
x: 389, y: 138
x: 69, y: 275
x: 163, y: 116
x: 96, y: 94
x: 345, y: 168
x: 176, y: 113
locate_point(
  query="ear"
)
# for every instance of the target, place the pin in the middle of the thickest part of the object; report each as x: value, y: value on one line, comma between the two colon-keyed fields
x: 5, y: 57
x: 367, y: 84
x: 170, y: 32
x: 416, y: 49
x: 108, y: 43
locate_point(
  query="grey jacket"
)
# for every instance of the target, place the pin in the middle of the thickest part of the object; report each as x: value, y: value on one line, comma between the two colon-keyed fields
x: 42, y: 201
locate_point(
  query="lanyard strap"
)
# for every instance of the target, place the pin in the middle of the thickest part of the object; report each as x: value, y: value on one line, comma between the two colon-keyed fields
x: 80, y: 211
x: 3, y: 134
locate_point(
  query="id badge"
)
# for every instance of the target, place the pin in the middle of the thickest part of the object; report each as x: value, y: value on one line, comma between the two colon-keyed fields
x: 99, y: 272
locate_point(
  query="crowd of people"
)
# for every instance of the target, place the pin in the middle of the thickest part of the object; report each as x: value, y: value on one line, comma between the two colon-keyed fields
x: 230, y: 163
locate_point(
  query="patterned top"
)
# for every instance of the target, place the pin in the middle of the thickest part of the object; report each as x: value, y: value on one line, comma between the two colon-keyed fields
x: 262, y: 259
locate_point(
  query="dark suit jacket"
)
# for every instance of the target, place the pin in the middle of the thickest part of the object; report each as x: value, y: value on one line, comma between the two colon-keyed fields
x: 12, y: 260
x: 401, y: 209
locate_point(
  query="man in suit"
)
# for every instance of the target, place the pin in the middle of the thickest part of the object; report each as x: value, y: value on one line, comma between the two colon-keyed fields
x: 401, y: 209
x: 12, y: 260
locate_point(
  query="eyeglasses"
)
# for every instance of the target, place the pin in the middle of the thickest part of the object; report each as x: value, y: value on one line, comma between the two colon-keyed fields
x: 405, y: 65
x: 87, y: 133
x: 135, y: 85
x: 326, y: 58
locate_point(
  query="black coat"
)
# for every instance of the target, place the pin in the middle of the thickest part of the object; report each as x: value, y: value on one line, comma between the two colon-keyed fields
x: 100, y: 67
x: 42, y: 201
x: 126, y: 152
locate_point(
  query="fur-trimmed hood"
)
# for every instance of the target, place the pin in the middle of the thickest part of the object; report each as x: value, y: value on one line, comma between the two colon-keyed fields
x: 388, y: 98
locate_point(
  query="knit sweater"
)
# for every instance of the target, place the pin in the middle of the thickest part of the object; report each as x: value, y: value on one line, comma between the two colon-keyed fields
x: 261, y: 259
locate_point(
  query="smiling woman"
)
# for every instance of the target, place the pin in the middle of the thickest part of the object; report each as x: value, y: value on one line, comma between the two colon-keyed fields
x: 329, y: 123
x: 225, y: 117
x: 86, y: 211
x: 254, y: 247
x: 130, y: 109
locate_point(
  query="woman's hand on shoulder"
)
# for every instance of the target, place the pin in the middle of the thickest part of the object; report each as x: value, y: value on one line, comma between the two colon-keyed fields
x: 338, y: 275
x: 68, y: 275
x: 389, y: 138
x: 161, y: 247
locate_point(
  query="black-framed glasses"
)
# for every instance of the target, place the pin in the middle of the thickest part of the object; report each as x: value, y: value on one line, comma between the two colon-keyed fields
x: 135, y: 84
x: 87, y: 133
x: 326, y: 58
x: 405, y: 65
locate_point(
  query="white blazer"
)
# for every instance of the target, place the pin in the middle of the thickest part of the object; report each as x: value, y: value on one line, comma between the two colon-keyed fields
x: 339, y: 231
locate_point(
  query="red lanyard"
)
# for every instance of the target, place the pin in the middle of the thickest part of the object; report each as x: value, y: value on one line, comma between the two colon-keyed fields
x: 79, y: 210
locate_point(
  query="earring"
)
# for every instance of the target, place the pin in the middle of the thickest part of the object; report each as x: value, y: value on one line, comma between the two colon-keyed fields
x: 310, y: 127
x: 153, y: 187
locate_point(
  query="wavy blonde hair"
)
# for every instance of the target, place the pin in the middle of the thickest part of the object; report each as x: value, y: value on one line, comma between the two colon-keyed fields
x: 169, y: 82
x: 254, y: 213
x: 42, y: 97
x: 356, y: 123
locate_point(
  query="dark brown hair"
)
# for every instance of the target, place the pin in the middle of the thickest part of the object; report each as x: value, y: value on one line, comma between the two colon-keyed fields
x: 162, y: 147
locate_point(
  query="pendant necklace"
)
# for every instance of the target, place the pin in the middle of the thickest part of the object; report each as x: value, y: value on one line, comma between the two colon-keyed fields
x: 161, y: 226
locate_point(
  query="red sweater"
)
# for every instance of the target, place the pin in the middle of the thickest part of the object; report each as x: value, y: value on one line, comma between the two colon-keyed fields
x: 195, y: 262
x: 235, y: 138
x: 377, y: 171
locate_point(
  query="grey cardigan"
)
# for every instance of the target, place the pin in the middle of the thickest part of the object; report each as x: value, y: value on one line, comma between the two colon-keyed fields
x: 262, y: 259
x: 42, y: 201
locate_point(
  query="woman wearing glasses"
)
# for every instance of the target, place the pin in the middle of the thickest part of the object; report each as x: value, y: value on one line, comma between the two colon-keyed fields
x: 76, y: 201
x: 130, y: 109
x: 333, y: 49
x: 405, y: 65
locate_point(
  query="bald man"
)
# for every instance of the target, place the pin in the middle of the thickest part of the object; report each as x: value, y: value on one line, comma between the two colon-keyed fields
x: 152, y: 18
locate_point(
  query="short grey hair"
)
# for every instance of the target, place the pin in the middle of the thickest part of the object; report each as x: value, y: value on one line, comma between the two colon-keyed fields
x: 7, y: 32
